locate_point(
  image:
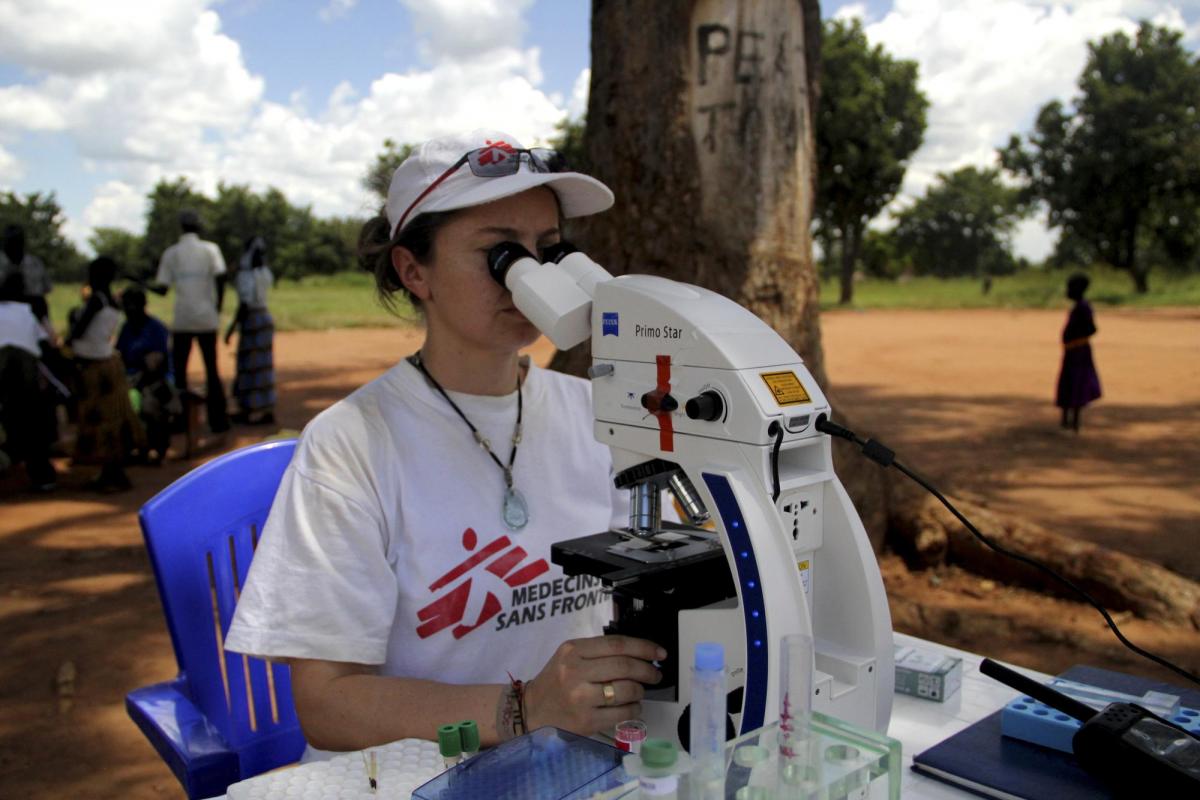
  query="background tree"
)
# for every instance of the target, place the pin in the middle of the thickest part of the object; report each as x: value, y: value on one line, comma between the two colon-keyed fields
x: 569, y: 140
x: 42, y: 218
x: 298, y: 242
x: 871, y: 119
x: 122, y: 245
x: 961, y: 226
x: 379, y: 175
x: 1121, y: 170
x: 715, y: 187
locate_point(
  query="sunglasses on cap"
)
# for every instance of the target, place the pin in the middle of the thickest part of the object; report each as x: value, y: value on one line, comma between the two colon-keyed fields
x: 495, y: 161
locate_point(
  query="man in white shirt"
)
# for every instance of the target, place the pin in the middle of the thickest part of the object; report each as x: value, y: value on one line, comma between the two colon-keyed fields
x: 194, y: 268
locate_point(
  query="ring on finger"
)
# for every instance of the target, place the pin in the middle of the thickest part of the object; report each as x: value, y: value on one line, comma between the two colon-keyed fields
x: 610, y: 693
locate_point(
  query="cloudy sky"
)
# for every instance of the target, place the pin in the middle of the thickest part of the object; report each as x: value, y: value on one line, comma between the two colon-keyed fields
x: 99, y: 100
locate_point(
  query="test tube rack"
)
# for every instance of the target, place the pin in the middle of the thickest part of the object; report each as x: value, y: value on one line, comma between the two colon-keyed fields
x: 1028, y: 720
x: 401, y: 767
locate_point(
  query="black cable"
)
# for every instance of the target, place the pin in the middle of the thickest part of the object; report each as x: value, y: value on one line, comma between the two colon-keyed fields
x: 886, y: 457
x: 775, y: 430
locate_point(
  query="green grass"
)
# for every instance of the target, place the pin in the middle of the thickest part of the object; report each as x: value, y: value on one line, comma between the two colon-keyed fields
x: 1028, y: 289
x: 317, y: 302
x: 347, y: 300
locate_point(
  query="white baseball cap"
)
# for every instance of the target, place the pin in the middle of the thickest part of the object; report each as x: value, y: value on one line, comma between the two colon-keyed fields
x: 410, y: 195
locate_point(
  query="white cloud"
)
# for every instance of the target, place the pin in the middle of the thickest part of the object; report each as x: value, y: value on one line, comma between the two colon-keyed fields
x: 466, y: 29
x: 148, y: 96
x: 988, y: 66
x: 337, y: 8
x: 10, y: 168
x: 116, y: 204
x: 851, y: 11
x: 577, y: 105
x: 171, y: 95
x: 74, y: 38
x: 320, y: 160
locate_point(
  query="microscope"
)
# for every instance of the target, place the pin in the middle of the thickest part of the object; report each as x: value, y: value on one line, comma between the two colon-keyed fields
x: 701, y: 401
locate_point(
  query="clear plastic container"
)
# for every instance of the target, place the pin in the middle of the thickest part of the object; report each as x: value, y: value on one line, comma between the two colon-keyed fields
x: 707, y: 741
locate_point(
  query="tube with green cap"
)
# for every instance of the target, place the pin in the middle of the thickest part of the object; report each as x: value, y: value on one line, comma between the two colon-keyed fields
x: 658, y: 778
x: 450, y: 744
x: 469, y: 734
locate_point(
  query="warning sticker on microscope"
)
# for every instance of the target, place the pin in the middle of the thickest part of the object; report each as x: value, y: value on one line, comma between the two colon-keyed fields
x: 805, y: 568
x: 786, y: 388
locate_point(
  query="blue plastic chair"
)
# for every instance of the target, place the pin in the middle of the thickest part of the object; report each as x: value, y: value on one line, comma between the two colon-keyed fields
x: 225, y: 717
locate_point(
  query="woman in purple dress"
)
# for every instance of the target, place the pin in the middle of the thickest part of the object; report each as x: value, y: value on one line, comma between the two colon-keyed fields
x: 1078, y: 383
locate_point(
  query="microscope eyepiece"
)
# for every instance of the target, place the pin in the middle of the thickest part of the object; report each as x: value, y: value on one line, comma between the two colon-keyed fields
x: 502, y: 257
x: 557, y: 252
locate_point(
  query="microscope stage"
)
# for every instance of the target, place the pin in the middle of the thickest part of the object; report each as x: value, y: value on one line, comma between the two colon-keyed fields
x: 620, y: 559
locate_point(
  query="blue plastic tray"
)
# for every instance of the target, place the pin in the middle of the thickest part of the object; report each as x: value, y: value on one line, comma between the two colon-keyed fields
x: 548, y: 763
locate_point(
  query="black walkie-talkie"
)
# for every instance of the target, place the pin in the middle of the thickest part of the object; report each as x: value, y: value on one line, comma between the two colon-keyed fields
x: 1127, y: 747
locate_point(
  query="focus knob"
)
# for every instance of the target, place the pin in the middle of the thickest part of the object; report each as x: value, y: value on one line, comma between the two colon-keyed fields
x: 707, y: 406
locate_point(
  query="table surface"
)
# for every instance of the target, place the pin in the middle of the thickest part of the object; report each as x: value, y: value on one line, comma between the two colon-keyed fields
x: 920, y: 724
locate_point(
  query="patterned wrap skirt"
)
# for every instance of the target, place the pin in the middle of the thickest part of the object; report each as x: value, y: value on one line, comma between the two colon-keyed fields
x: 254, y: 386
x: 108, y: 428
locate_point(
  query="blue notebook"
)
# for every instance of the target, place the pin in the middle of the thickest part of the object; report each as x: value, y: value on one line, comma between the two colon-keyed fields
x: 985, y: 763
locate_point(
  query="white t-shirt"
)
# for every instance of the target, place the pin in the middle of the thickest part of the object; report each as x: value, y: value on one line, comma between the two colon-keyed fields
x: 96, y: 343
x: 20, y: 328
x: 385, y: 544
x: 190, y: 267
x: 253, y: 286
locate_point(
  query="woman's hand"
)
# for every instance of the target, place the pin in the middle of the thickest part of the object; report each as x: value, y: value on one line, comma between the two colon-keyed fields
x: 589, y: 685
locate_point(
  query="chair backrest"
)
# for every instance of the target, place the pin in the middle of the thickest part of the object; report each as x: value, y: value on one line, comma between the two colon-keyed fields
x: 201, y: 532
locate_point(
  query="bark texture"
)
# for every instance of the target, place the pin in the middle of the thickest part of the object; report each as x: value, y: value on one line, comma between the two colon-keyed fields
x: 700, y: 119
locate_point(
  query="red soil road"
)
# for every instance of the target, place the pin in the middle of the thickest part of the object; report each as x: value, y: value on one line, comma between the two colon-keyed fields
x: 964, y: 396
x: 967, y: 398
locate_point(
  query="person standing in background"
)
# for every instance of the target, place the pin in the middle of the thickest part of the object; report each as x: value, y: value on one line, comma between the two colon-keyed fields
x: 108, y: 428
x: 14, y: 259
x: 195, y: 268
x: 254, y: 384
x: 1078, y: 383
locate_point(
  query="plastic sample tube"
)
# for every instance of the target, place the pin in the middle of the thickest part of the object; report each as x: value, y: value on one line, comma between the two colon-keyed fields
x: 657, y: 778
x: 450, y: 744
x: 708, y: 721
x: 630, y: 734
x: 468, y: 732
x: 799, y: 764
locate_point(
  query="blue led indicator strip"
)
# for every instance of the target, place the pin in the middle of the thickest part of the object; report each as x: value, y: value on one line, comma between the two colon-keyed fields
x: 754, y: 609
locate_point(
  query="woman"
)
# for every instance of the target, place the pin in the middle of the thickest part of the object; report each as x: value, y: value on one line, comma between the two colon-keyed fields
x: 107, y: 426
x: 404, y: 570
x: 1078, y: 383
x: 254, y: 385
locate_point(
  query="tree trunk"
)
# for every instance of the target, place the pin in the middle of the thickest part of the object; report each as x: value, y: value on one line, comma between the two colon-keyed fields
x: 700, y: 119
x: 1141, y: 282
x: 851, y: 243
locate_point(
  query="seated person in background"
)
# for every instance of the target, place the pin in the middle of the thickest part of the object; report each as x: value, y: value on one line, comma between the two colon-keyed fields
x: 23, y: 341
x: 142, y: 344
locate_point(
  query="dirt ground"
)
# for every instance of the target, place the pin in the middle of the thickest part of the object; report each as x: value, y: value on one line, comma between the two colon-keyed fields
x: 964, y: 397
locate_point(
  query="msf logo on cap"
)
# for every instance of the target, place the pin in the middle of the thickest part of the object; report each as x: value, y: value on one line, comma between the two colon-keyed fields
x: 610, y: 322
